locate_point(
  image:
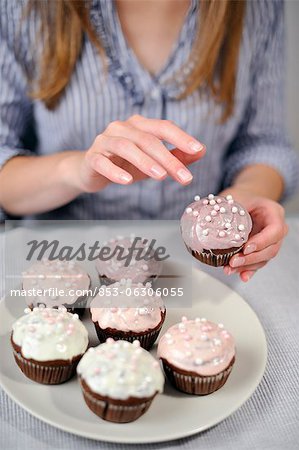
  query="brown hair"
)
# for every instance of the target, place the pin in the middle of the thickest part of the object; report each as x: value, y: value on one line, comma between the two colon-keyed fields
x: 215, y: 53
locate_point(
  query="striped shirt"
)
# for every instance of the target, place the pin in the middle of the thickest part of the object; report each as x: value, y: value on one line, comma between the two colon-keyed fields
x: 254, y: 134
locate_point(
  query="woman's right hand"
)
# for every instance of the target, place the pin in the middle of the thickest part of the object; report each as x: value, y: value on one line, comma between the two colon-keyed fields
x: 131, y: 150
x: 124, y: 153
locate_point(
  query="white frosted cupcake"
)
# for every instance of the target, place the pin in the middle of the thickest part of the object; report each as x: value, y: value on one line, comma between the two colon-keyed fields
x: 57, y: 283
x: 138, y: 269
x: 197, y: 355
x: 48, y: 344
x: 129, y: 311
x: 119, y: 380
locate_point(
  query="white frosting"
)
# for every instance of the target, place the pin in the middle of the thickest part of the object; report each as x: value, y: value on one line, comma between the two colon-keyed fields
x: 198, y: 346
x: 119, y: 369
x: 128, y: 309
x: 137, y: 270
x: 47, y: 334
x: 52, y: 277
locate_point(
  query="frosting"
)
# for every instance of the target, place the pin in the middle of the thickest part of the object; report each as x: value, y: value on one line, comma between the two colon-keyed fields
x: 215, y: 223
x: 197, y: 346
x: 47, y: 334
x: 54, y: 276
x: 119, y: 369
x: 137, y: 270
x: 134, y: 307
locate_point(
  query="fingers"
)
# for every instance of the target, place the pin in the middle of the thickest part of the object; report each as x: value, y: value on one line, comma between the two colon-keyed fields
x: 269, y: 235
x: 138, y: 142
x: 111, y: 171
x: 247, y: 275
x: 152, y: 146
x: 127, y: 150
x: 241, y: 260
x: 168, y: 131
x: 185, y: 158
x: 274, y: 229
x: 270, y: 228
x: 251, y: 267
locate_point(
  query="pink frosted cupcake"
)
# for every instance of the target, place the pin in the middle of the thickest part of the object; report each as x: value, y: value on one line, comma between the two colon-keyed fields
x: 215, y: 228
x: 128, y: 311
x: 197, y: 355
x: 139, y: 271
x: 56, y: 283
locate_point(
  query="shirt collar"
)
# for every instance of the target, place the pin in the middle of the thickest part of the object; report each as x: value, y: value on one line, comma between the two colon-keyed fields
x: 123, y: 63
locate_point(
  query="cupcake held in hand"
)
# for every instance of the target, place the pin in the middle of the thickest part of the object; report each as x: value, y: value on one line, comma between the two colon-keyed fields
x: 215, y: 228
x: 197, y: 356
x: 128, y: 311
x: 119, y: 380
x: 48, y: 344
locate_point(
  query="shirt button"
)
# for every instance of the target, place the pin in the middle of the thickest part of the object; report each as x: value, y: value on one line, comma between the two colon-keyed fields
x: 155, y: 94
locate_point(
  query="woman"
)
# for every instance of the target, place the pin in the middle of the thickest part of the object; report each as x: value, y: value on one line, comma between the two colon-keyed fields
x: 113, y: 86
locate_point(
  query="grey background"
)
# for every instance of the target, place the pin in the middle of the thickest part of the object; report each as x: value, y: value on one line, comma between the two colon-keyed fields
x: 292, y: 82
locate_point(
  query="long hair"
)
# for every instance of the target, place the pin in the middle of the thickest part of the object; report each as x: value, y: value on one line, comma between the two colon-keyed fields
x: 64, y: 23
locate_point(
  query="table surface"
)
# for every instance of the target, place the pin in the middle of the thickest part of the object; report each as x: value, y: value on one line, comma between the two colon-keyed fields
x: 268, y: 420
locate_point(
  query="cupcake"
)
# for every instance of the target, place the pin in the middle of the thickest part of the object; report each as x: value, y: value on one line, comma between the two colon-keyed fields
x: 48, y: 344
x: 140, y: 265
x: 56, y: 283
x: 128, y: 311
x: 215, y: 228
x: 119, y: 380
x: 197, y: 356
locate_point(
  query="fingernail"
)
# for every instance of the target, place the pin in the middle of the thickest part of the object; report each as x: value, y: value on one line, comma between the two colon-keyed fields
x: 250, y: 248
x: 158, y: 171
x: 125, y: 177
x: 196, y: 146
x: 248, y: 276
x: 238, y: 261
x: 184, y: 175
x: 228, y: 270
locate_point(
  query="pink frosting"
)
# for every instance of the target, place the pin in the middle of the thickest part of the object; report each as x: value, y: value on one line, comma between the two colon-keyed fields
x: 63, y: 276
x: 137, y: 271
x: 215, y: 223
x: 129, y: 307
x: 197, y: 346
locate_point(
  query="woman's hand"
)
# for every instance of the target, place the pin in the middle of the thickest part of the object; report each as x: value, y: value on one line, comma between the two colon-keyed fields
x: 132, y: 150
x: 269, y: 229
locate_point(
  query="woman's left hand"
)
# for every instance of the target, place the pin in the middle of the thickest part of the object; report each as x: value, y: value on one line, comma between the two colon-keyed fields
x: 269, y: 229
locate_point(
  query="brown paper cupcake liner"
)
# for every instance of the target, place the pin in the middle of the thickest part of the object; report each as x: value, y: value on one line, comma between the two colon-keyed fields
x: 78, y: 307
x: 213, y: 259
x: 113, y: 410
x: 146, y: 338
x: 106, y: 281
x: 193, y: 383
x: 45, y: 372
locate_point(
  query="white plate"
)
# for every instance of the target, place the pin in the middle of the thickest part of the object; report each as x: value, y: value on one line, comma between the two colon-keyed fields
x: 172, y: 415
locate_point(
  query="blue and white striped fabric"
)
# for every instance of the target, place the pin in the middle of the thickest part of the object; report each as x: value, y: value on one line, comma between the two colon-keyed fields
x: 254, y: 134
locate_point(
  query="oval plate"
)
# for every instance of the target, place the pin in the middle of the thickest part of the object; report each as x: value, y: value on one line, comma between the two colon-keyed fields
x: 173, y: 414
